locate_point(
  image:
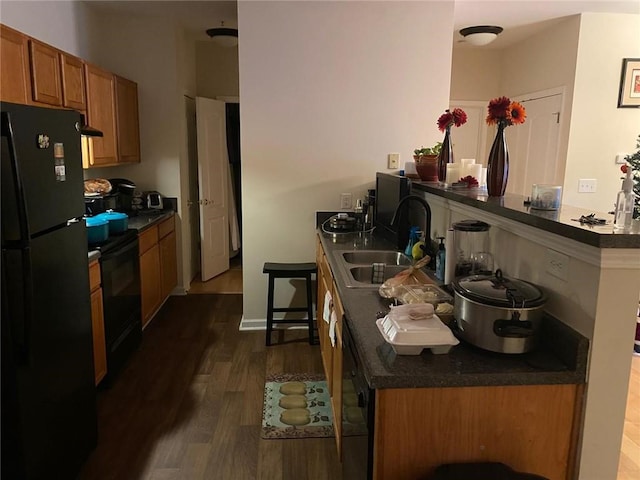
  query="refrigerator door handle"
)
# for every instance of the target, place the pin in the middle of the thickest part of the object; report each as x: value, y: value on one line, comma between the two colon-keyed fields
x: 16, y: 182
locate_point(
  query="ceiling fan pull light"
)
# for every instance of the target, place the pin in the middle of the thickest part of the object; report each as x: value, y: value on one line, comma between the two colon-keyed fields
x: 226, y: 37
x: 480, y: 35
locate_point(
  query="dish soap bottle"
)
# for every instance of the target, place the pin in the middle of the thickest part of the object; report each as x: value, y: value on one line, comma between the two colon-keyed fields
x: 413, y: 239
x: 624, y: 205
x: 440, y: 259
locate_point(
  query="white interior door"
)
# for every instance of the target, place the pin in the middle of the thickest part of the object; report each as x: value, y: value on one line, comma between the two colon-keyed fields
x: 470, y: 141
x: 533, y: 146
x: 213, y: 166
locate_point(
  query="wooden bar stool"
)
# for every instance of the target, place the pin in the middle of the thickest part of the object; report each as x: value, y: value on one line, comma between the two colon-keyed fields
x: 289, y: 270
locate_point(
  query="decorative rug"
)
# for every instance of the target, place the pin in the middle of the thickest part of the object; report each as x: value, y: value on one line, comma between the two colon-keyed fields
x: 296, y: 406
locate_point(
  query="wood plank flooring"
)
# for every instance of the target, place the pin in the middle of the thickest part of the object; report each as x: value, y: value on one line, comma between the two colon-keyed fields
x: 189, y: 403
x: 629, y: 466
x: 227, y: 282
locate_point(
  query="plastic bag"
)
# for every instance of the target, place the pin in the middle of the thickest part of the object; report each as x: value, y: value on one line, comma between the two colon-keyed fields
x: 405, y: 277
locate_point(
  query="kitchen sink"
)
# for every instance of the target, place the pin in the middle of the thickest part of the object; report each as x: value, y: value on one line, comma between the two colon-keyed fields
x: 363, y: 274
x: 355, y: 266
x: 388, y: 257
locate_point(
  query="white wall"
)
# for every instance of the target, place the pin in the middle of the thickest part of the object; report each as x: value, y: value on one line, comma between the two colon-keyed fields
x: 475, y: 74
x: 217, y: 70
x: 63, y: 24
x: 600, y: 130
x: 328, y: 89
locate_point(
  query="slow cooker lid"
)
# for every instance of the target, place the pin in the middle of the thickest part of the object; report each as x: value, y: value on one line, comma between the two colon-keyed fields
x: 500, y: 291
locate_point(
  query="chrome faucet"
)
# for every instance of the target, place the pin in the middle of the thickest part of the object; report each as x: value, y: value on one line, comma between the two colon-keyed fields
x: 427, y: 227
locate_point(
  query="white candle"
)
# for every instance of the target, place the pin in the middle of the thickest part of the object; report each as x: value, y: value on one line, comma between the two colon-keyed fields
x: 453, y: 172
x: 475, y: 171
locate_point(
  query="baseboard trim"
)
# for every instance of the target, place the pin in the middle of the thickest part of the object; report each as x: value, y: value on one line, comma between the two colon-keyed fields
x: 261, y: 324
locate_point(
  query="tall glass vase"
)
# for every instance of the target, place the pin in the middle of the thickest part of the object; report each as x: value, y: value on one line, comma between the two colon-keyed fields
x: 498, y: 164
x: 446, y: 155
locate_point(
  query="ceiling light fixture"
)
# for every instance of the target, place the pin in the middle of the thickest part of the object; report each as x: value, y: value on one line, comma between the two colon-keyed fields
x: 480, y: 35
x: 226, y: 37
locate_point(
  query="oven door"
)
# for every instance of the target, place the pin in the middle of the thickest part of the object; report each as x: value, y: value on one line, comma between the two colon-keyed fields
x: 358, y: 408
x: 121, y: 292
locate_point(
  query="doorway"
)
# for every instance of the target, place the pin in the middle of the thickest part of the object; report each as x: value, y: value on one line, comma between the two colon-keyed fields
x: 228, y: 281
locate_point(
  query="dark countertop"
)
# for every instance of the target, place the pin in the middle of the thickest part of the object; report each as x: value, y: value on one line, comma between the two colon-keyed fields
x: 142, y: 221
x: 559, y: 222
x: 561, y: 359
x: 139, y: 222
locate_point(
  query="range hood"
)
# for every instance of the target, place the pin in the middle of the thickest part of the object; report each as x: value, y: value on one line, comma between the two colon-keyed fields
x: 87, y: 130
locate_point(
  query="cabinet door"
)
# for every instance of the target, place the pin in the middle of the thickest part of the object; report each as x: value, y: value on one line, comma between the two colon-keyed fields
x: 99, y: 346
x: 15, y: 78
x: 45, y: 73
x: 73, y: 91
x: 336, y: 394
x: 168, y: 264
x: 150, y: 282
x: 127, y: 123
x: 101, y: 114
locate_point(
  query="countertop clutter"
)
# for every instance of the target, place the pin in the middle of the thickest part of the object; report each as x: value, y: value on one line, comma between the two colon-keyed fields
x: 560, y: 359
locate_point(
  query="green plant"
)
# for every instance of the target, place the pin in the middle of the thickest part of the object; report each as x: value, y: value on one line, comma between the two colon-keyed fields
x: 633, y: 162
x: 423, y: 151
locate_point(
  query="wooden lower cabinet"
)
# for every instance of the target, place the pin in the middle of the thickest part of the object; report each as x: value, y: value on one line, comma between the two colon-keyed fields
x: 331, y: 352
x: 158, y: 266
x: 150, y: 282
x: 531, y: 428
x: 97, y: 323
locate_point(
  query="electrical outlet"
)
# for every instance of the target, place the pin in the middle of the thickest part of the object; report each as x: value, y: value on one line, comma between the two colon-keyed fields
x: 587, y: 185
x: 345, y: 200
x: 393, y: 160
x: 557, y: 264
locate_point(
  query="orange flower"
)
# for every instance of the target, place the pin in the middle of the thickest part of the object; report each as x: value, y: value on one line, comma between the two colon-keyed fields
x: 518, y: 113
x: 503, y: 110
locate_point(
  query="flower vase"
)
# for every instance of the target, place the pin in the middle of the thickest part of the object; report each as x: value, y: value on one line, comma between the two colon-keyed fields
x: 446, y: 155
x: 498, y: 164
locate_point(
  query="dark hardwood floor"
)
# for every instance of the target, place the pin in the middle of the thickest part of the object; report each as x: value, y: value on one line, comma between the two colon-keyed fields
x: 189, y: 403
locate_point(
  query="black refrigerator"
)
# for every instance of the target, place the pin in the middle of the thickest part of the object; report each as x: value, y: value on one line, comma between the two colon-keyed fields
x: 49, y: 421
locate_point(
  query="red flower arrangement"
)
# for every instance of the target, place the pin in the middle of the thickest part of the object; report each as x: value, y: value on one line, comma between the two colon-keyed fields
x: 624, y: 168
x: 457, y: 117
x: 503, y: 110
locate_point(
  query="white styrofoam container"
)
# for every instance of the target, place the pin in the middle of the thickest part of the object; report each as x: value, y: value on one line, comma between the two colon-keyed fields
x: 410, y: 337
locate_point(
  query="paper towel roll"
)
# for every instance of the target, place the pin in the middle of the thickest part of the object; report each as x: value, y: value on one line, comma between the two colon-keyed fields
x: 450, y: 257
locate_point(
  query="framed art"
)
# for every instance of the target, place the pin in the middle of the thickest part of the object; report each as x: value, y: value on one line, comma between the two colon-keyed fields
x: 629, y: 96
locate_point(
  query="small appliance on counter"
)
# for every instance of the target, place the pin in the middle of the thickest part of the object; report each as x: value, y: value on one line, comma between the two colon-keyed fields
x: 470, y: 239
x: 497, y: 313
x: 154, y: 201
x: 125, y: 190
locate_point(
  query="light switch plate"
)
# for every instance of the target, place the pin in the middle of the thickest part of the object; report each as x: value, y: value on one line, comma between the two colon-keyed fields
x: 393, y: 161
x: 620, y: 158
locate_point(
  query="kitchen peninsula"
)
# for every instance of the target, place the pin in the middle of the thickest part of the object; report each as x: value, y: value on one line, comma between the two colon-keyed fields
x: 588, y: 335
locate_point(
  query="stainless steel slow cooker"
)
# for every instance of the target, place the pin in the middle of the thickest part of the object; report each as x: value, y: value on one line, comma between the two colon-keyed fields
x: 497, y: 313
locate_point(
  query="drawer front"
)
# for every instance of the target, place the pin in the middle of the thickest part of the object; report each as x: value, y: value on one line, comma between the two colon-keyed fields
x: 166, y: 227
x: 148, y: 239
x: 94, y: 275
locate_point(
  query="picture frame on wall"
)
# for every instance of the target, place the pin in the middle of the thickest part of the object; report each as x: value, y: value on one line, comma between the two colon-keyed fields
x: 629, y: 96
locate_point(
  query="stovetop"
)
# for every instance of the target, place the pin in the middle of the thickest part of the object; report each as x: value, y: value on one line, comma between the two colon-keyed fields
x: 115, y: 241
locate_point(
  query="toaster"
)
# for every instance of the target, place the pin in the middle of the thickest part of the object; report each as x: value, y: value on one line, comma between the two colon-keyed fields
x: 154, y: 201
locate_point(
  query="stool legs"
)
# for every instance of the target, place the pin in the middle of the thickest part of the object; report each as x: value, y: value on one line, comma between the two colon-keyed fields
x: 310, y: 309
x: 270, y: 310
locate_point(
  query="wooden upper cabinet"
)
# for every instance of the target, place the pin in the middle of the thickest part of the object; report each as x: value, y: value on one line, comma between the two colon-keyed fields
x: 73, y: 91
x: 15, y: 79
x: 101, y: 114
x: 128, y: 124
x: 46, y: 80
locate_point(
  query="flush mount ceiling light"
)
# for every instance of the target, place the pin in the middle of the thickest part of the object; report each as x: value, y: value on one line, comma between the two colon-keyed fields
x: 226, y: 37
x: 480, y: 35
